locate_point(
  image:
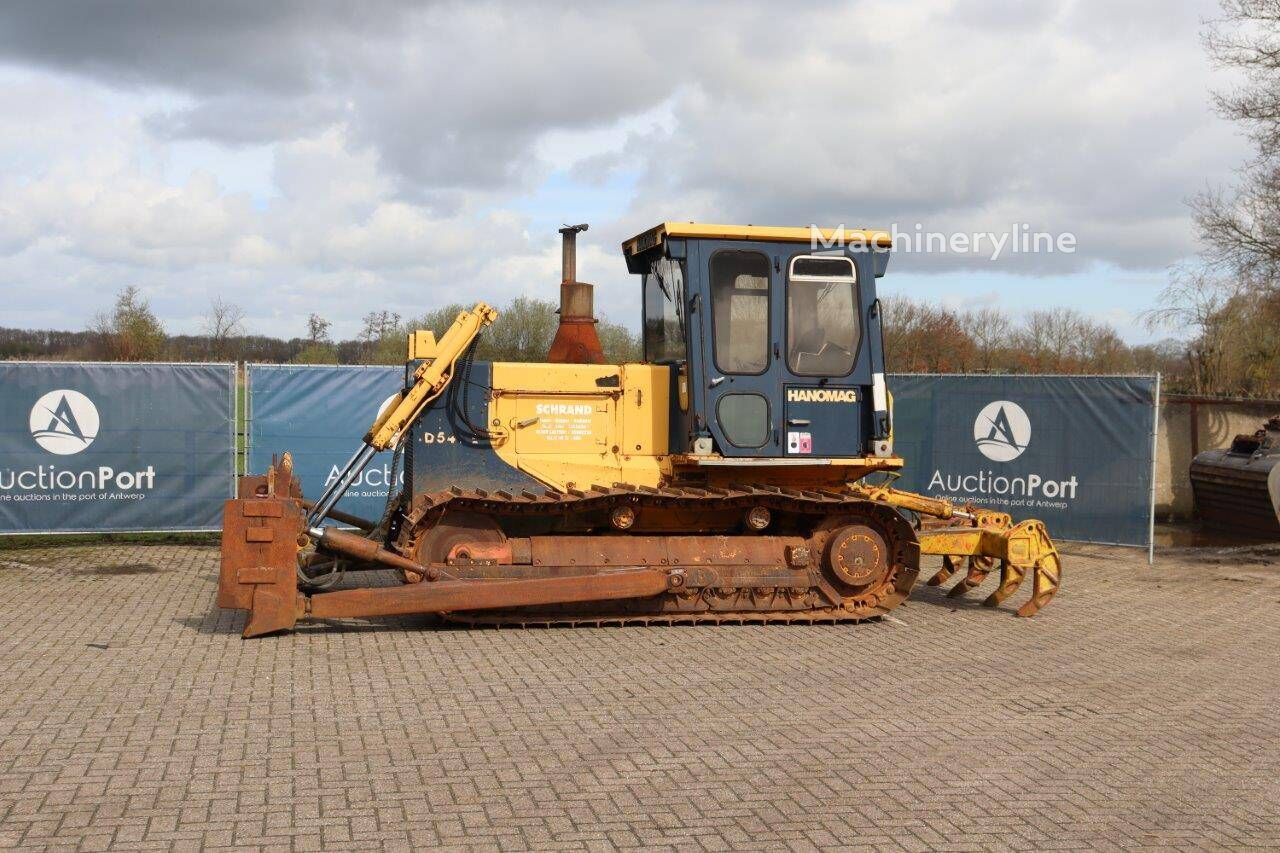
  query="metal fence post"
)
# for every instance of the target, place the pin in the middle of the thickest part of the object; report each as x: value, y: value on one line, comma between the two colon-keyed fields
x: 1155, y: 450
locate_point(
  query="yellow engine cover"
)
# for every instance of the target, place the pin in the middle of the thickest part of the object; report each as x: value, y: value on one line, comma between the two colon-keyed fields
x: 575, y: 425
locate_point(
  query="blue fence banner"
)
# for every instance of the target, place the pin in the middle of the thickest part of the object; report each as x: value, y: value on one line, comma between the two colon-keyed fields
x: 1073, y: 451
x: 319, y: 414
x: 97, y: 448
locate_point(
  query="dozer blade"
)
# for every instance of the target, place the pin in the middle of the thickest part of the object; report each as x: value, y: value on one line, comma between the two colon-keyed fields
x: 261, y: 539
x: 260, y: 542
x: 1024, y: 547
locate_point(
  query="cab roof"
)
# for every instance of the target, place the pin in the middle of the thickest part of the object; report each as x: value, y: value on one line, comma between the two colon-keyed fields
x: 656, y: 235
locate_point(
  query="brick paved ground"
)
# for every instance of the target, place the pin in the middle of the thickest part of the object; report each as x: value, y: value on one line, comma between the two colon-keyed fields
x: 1139, y: 709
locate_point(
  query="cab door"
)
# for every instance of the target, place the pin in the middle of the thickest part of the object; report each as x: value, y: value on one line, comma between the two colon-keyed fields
x: 825, y: 408
x: 740, y: 324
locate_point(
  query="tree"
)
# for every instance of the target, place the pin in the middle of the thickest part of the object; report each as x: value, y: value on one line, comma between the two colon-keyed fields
x: 1241, y: 227
x: 1100, y: 349
x: 130, y: 331
x: 1249, y: 325
x: 1197, y: 300
x: 382, y: 338
x: 223, y: 321
x: 316, y: 354
x: 440, y: 319
x: 991, y: 331
x: 318, y: 329
x: 523, y: 331
x: 1167, y: 357
x: 924, y: 338
x: 620, y: 344
x: 1228, y: 301
x: 379, y: 324
x: 1045, y: 339
x: 319, y: 348
x: 1236, y: 348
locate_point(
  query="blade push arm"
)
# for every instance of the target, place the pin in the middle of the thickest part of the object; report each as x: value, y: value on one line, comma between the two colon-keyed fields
x: 429, y: 382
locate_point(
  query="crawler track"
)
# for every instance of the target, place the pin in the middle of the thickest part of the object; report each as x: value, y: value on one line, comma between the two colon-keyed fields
x: 824, y: 556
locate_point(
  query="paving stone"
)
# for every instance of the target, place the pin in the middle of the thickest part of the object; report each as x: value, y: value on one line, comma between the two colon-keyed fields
x: 1138, y: 710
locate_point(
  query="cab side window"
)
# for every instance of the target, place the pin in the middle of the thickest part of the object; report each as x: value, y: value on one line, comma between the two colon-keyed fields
x: 740, y: 311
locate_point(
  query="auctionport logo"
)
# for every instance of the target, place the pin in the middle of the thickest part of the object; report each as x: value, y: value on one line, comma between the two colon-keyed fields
x: 1002, y: 431
x: 64, y: 422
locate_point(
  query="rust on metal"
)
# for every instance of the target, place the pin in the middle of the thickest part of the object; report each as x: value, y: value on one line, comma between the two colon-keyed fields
x: 260, y: 561
x: 623, y: 517
x: 758, y: 518
x: 359, y: 548
x: 662, y: 550
x: 858, y: 554
x: 686, y: 554
x: 490, y: 553
x: 576, y: 340
x: 730, y: 576
x: 447, y: 596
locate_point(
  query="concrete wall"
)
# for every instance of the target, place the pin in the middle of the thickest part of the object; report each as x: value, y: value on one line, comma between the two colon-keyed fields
x: 1216, y: 421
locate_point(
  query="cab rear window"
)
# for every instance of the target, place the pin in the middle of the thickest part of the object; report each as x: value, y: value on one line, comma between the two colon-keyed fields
x: 664, y: 312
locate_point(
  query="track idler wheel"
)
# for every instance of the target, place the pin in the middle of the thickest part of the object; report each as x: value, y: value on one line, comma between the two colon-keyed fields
x: 871, y: 562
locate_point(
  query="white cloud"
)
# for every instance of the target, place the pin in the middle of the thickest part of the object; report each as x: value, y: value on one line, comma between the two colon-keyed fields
x: 316, y: 156
x: 333, y: 238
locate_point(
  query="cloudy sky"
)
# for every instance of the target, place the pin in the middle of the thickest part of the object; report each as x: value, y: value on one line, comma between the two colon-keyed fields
x: 338, y: 157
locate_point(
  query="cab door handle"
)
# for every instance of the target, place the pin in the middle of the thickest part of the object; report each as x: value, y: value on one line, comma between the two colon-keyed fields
x: 797, y: 422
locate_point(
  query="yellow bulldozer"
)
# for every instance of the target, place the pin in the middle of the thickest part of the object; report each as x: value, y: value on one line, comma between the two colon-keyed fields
x: 741, y: 473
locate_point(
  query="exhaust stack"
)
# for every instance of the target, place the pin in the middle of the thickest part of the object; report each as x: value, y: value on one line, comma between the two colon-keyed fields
x: 576, y: 341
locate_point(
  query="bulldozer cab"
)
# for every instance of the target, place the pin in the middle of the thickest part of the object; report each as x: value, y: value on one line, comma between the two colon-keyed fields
x: 773, y: 337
